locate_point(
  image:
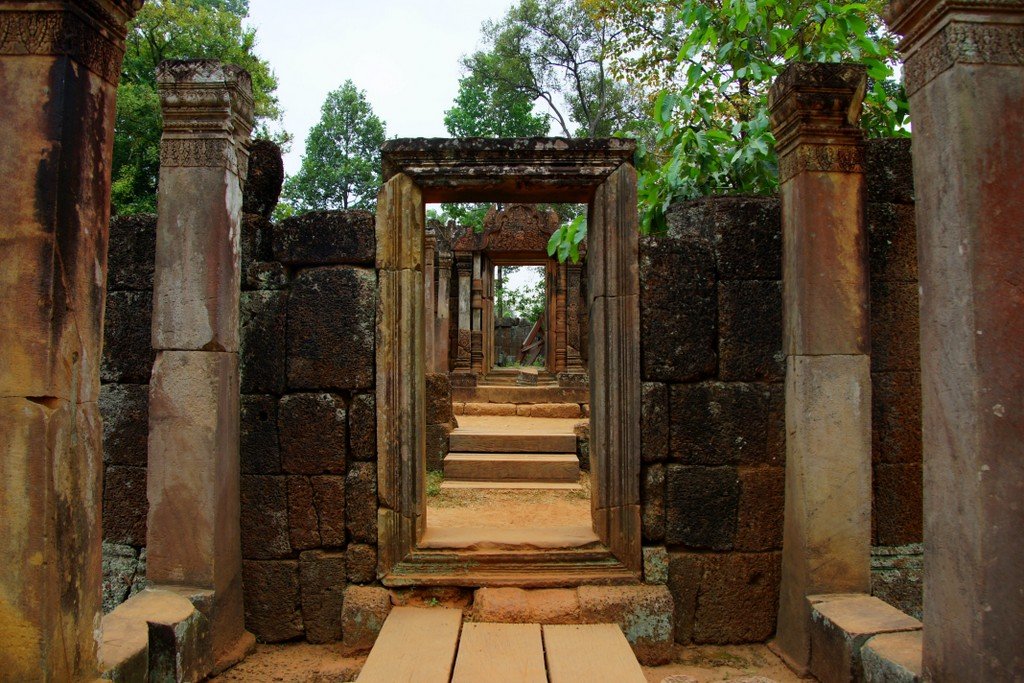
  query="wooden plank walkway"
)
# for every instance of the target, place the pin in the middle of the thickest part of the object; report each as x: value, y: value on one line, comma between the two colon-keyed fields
x: 419, y: 645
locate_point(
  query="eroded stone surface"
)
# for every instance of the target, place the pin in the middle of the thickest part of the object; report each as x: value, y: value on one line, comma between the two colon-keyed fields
x: 331, y: 317
x: 363, y: 614
x: 326, y: 238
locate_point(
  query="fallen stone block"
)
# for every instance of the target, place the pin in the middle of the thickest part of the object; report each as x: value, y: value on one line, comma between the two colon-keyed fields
x: 893, y: 658
x: 644, y: 613
x: 362, y: 616
x: 162, y: 628
x: 841, y: 625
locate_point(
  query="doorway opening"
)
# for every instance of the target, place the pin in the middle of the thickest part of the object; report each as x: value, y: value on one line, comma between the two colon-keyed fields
x: 512, y: 471
x: 598, y: 173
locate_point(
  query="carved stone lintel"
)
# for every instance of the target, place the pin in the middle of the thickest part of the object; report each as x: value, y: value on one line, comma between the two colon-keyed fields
x: 815, y: 112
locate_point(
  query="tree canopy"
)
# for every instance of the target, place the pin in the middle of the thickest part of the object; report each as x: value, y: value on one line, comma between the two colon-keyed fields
x: 706, y: 67
x: 556, y: 52
x: 341, y: 166
x: 484, y: 109
x: 177, y: 29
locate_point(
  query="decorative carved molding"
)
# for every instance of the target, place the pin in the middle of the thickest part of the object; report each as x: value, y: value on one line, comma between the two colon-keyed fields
x: 207, y: 115
x: 964, y: 43
x: 98, y: 48
x: 815, y: 113
x: 195, y: 152
x: 821, y: 158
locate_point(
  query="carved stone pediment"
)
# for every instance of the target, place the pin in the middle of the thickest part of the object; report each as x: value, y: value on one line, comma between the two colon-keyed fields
x: 517, y: 228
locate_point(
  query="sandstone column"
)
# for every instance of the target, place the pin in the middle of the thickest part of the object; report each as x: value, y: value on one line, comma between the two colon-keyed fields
x: 477, y: 319
x: 614, y: 302
x: 464, y: 266
x: 442, y: 321
x: 965, y: 78
x: 401, y: 376
x: 59, y: 68
x: 573, y: 320
x: 815, y: 112
x: 193, y: 479
x: 429, y: 314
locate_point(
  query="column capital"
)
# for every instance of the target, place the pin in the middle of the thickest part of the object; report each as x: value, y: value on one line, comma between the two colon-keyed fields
x: 91, y: 32
x: 464, y: 262
x: 815, y: 113
x: 938, y: 34
x: 207, y: 108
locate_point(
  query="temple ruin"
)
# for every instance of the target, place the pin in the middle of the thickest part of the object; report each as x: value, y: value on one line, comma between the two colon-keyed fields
x: 792, y: 412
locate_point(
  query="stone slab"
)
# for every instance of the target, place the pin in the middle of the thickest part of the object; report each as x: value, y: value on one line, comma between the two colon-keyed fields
x: 841, y: 625
x: 893, y: 658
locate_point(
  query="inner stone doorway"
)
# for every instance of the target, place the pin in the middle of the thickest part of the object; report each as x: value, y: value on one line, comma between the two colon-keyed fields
x: 597, y: 172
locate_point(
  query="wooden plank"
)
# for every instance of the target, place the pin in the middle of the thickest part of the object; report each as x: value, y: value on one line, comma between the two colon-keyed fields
x: 415, y: 646
x: 468, y: 442
x: 596, y: 653
x: 500, y: 653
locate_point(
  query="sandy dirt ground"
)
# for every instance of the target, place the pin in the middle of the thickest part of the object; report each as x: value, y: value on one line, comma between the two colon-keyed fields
x: 507, y: 508
x: 305, y: 663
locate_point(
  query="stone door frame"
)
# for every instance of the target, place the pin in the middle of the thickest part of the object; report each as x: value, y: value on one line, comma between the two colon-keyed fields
x: 596, y: 172
x: 550, y: 274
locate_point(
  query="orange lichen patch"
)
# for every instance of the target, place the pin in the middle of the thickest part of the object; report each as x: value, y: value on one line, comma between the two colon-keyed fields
x: 22, y: 641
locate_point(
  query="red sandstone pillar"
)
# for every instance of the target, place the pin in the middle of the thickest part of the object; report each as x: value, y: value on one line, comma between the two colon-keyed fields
x: 429, y: 299
x: 59, y: 68
x: 965, y: 78
x: 442, y: 320
x: 463, y: 354
x: 815, y: 111
x: 193, y: 536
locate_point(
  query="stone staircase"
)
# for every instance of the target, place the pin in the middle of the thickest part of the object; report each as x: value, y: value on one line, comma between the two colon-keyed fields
x: 504, y: 458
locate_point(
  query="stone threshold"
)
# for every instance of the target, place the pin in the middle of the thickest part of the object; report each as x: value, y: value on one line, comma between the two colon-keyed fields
x: 519, y: 538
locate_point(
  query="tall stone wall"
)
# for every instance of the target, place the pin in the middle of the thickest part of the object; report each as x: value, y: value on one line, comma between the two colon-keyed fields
x: 124, y: 404
x: 308, y: 438
x: 712, y: 436
x: 897, y: 509
x: 713, y: 433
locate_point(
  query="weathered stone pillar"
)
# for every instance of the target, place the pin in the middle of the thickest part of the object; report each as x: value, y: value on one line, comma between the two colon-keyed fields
x: 614, y: 302
x: 573, y: 319
x: 442, y: 321
x: 815, y: 112
x: 59, y: 68
x: 193, y: 479
x: 965, y: 78
x: 560, y: 352
x: 401, y: 376
x: 463, y: 357
x: 429, y: 315
x: 477, y: 302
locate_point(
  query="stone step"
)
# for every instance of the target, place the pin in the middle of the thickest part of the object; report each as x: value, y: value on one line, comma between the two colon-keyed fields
x: 512, y: 393
x: 512, y: 467
x: 463, y: 441
x: 563, y: 411
x: 515, y: 485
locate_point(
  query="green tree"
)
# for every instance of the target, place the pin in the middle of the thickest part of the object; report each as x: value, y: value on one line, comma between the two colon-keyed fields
x: 483, y: 109
x: 341, y: 166
x: 707, y: 65
x: 177, y: 29
x: 556, y: 52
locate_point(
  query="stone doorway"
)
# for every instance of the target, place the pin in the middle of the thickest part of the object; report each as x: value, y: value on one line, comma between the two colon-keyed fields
x: 598, y: 173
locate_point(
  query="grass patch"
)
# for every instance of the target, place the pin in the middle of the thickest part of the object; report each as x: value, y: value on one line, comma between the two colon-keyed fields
x: 434, y: 480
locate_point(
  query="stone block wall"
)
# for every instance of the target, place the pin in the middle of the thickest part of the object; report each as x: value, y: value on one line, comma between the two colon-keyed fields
x: 308, y: 428
x: 713, y: 422
x: 712, y: 436
x: 124, y: 404
x: 897, y: 507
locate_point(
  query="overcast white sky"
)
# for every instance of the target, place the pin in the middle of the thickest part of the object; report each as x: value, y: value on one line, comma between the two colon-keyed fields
x: 403, y: 53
